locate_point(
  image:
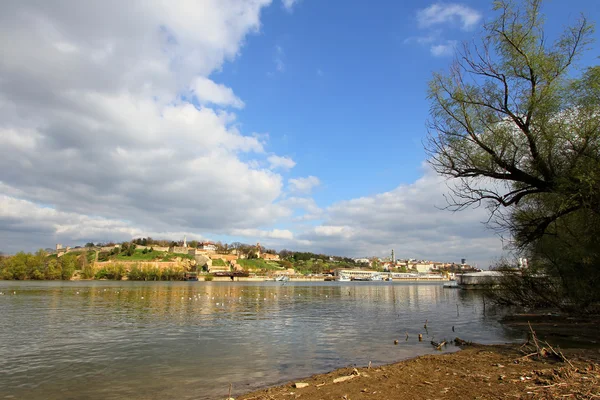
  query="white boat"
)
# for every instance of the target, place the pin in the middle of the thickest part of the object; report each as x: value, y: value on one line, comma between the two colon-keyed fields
x: 282, y: 278
x: 376, y: 278
x: 343, y: 278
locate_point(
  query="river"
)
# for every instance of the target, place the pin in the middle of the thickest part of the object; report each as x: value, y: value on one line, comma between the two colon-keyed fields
x: 191, y: 340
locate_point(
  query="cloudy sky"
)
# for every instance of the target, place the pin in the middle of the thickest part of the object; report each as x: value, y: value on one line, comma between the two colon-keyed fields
x: 295, y: 123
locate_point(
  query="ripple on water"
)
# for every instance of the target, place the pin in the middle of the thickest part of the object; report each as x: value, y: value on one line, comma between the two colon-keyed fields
x: 127, y: 339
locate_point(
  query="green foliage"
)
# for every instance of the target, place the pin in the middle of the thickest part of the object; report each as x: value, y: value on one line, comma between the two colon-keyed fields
x: 217, y: 262
x: 53, y: 269
x: 208, y: 278
x: 68, y: 264
x: 149, y: 255
x: 259, y: 265
x: 517, y: 123
x: 103, y: 256
x: 148, y: 273
x: 111, y: 272
x: 173, y: 256
x: 40, y: 266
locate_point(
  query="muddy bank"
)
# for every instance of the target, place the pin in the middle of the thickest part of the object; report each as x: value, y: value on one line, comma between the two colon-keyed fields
x: 476, y: 372
x: 557, y: 328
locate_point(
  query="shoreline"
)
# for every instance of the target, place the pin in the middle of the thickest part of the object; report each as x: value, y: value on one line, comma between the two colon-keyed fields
x: 475, y: 371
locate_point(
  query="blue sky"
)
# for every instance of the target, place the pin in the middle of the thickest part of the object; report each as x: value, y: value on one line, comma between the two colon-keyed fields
x: 350, y: 104
x: 298, y: 124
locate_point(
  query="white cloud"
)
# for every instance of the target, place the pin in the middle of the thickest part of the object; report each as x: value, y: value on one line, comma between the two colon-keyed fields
x: 289, y: 4
x: 441, y: 16
x: 442, y: 13
x: 40, y: 227
x: 443, y: 49
x: 303, y: 185
x: 279, y: 63
x: 306, y: 205
x: 423, y: 40
x: 99, y: 130
x: 345, y: 231
x: 278, y: 162
x: 209, y: 92
x: 279, y: 234
x: 407, y: 220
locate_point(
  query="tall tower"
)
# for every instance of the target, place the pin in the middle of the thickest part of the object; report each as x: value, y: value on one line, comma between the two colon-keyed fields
x: 393, y: 257
x: 184, y: 241
x: 258, y: 250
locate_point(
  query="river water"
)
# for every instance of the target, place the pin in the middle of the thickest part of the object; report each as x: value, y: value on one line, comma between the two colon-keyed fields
x: 190, y: 340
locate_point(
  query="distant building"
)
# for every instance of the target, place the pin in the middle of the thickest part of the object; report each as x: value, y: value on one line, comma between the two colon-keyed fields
x: 267, y: 256
x: 356, y: 273
x: 424, y: 267
x: 207, y: 246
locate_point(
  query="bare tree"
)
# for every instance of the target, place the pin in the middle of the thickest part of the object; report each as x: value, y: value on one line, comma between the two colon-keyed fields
x: 511, y: 124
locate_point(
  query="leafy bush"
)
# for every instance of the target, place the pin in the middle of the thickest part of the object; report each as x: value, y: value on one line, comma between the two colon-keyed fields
x: 111, y: 272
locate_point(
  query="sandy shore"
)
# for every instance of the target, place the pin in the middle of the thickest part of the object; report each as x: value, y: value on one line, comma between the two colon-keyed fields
x: 476, y: 372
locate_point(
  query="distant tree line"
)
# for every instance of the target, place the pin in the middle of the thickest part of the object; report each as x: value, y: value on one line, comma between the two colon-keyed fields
x: 40, y: 266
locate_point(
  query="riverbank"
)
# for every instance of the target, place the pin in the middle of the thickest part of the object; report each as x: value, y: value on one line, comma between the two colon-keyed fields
x: 476, y: 372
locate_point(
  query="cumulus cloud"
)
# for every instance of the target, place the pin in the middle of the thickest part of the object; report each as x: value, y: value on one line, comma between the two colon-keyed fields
x: 288, y: 5
x: 407, y: 220
x: 306, y: 207
x: 443, y: 49
x: 27, y: 226
x: 207, y: 92
x: 269, y: 234
x: 95, y: 121
x: 443, y: 13
x: 436, y: 19
x: 303, y: 185
x: 284, y: 163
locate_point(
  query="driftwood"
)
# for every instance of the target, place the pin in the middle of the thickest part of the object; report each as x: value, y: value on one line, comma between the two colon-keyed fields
x: 532, y: 348
x: 438, y: 346
x: 459, y: 342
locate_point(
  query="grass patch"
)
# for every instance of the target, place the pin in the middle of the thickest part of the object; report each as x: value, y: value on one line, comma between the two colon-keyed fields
x: 259, y: 264
x: 138, y: 255
x: 91, y: 256
x: 153, y: 255
x: 218, y: 263
x: 173, y: 256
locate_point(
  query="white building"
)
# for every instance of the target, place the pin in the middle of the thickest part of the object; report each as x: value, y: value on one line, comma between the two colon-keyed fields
x: 207, y: 246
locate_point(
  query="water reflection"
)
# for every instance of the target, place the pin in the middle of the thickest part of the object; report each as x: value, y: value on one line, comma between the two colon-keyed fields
x: 190, y: 339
